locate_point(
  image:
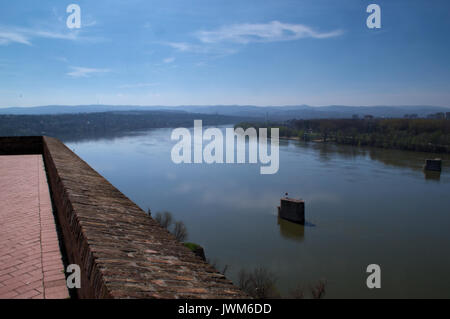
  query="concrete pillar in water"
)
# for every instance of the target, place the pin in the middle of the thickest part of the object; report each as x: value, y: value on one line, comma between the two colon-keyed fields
x: 433, y: 164
x: 292, y: 209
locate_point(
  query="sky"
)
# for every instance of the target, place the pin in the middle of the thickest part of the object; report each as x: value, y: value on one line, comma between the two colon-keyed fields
x: 178, y: 52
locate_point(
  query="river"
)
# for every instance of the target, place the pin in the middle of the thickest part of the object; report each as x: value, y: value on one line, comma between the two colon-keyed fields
x: 363, y: 206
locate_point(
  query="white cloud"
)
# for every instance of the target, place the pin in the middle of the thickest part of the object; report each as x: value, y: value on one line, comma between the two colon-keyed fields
x: 6, y: 37
x: 169, y: 60
x: 201, y: 49
x: 51, y: 34
x: 181, y: 46
x: 214, y: 42
x: 82, y: 72
x: 264, y: 32
x: 87, y: 24
x: 25, y: 35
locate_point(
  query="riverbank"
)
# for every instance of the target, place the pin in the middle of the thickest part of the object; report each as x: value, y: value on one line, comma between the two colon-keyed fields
x: 321, y: 141
x: 423, y: 135
x: 295, y: 138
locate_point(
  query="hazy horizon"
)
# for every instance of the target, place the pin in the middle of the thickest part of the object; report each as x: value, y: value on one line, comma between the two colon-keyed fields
x: 225, y: 105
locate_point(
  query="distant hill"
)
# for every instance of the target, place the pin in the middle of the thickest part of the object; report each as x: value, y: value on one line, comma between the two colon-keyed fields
x: 269, y: 112
x: 66, y: 109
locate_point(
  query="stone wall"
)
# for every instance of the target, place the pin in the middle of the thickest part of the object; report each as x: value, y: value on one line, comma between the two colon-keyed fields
x: 18, y: 145
x: 121, y: 251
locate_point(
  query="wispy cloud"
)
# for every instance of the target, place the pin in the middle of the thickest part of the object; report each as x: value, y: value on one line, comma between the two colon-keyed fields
x: 201, y: 48
x: 56, y: 14
x: 169, y: 60
x: 137, y: 85
x: 181, y: 46
x: 19, y: 35
x: 262, y: 32
x: 89, y: 23
x: 216, y: 43
x: 82, y: 72
x: 7, y: 37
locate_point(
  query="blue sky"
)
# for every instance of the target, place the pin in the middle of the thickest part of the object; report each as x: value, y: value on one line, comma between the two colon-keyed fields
x: 316, y: 52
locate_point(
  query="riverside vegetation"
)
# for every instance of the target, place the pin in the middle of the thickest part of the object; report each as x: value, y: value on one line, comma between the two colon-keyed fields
x: 424, y: 135
x: 88, y: 126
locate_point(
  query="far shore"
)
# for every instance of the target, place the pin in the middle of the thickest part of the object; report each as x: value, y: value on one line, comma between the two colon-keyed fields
x: 296, y: 138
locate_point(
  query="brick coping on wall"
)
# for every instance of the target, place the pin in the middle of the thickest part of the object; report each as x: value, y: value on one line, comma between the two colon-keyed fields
x: 122, y: 252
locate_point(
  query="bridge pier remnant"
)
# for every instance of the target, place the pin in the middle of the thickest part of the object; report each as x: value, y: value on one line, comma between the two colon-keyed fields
x: 292, y: 209
x: 433, y: 164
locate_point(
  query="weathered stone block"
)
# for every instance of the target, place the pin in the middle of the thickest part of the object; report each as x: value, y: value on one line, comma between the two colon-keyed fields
x: 292, y: 209
x: 433, y: 164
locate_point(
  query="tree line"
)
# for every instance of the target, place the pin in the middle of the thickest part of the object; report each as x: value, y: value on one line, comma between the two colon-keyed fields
x: 425, y: 135
x: 69, y: 127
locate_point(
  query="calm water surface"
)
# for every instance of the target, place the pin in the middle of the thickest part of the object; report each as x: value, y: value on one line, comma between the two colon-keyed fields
x: 363, y: 206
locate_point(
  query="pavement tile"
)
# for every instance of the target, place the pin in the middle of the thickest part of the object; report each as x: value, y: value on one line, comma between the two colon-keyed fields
x: 28, y: 238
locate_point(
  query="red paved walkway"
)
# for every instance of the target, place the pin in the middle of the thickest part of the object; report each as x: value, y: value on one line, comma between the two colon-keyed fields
x: 30, y: 259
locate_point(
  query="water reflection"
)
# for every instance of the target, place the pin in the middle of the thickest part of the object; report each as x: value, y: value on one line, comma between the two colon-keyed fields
x: 291, y: 230
x: 325, y: 153
x: 394, y: 158
x: 432, y: 175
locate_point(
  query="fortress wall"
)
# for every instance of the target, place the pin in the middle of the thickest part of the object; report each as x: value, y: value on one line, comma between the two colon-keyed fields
x: 122, y: 252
